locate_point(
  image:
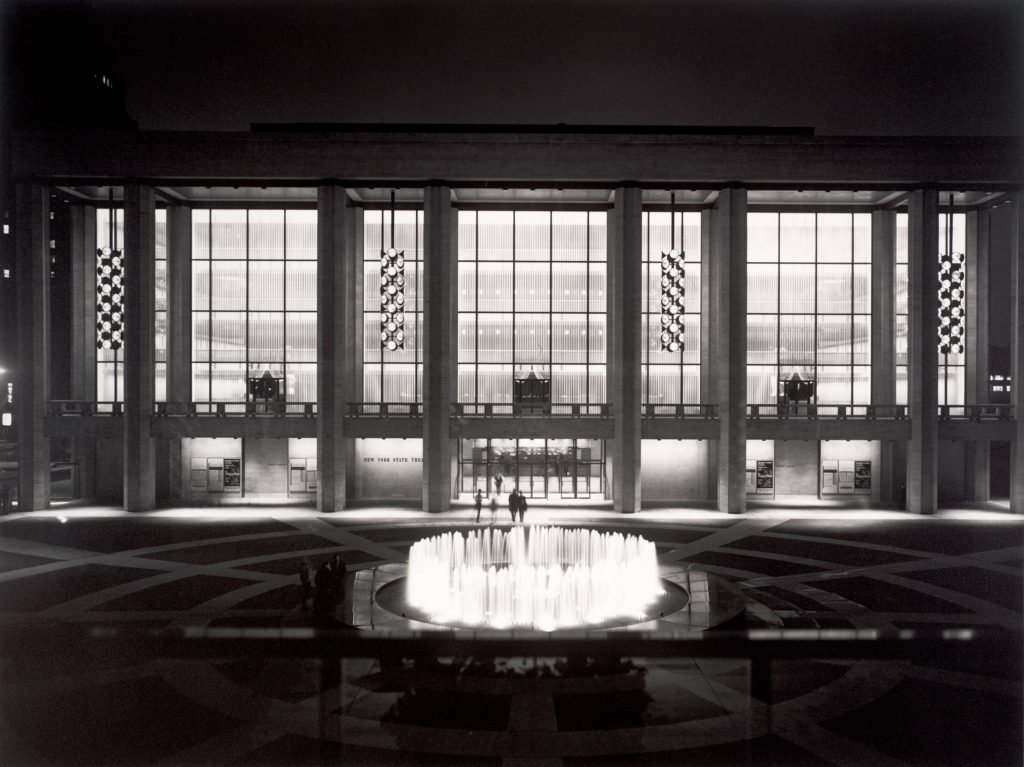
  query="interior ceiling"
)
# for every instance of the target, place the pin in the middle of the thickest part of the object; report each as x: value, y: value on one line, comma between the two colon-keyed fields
x: 496, y: 195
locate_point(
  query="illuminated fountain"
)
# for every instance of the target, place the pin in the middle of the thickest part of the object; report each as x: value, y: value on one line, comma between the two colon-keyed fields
x: 542, y: 577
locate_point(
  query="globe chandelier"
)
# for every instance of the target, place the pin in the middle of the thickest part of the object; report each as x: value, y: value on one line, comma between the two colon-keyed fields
x: 673, y: 291
x: 392, y: 292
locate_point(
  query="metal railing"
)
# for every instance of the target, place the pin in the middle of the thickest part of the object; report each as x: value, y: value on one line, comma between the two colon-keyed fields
x: 385, y: 409
x: 508, y: 409
x: 84, y: 408
x: 832, y: 412
x: 975, y: 412
x: 680, y: 411
x: 237, y: 409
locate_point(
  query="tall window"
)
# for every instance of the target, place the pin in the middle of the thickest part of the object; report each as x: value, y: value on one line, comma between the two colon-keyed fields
x: 809, y: 305
x: 952, y: 367
x: 392, y: 376
x: 671, y: 377
x: 253, y: 302
x: 160, y: 308
x: 109, y: 362
x: 531, y: 297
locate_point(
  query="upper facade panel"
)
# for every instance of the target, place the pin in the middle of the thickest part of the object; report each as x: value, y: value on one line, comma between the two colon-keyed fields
x: 416, y: 158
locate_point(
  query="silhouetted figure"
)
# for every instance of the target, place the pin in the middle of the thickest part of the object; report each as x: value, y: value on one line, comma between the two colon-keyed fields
x: 494, y: 508
x: 478, y: 499
x: 338, y: 574
x: 513, y: 503
x: 322, y: 607
x: 497, y: 484
x: 306, y: 579
x: 522, y: 508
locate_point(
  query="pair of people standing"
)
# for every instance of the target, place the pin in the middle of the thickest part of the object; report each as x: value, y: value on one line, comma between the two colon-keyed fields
x: 517, y: 503
x: 478, y: 499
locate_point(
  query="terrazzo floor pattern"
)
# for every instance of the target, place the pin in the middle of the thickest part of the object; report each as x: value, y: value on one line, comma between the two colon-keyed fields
x: 236, y: 567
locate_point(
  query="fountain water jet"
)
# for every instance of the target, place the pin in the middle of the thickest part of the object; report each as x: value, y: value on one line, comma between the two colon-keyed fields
x: 544, y: 577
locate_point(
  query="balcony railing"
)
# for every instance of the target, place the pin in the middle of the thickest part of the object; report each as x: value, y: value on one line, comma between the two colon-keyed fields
x: 237, y: 409
x: 385, y: 409
x: 83, y: 408
x: 975, y: 412
x: 832, y: 412
x: 705, y: 412
x: 510, y: 410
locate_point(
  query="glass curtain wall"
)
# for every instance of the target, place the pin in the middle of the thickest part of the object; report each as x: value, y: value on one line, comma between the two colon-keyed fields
x: 392, y: 376
x: 253, y: 302
x: 952, y: 367
x: 109, y: 362
x: 809, y: 306
x: 671, y: 378
x: 532, y: 297
x: 160, y: 308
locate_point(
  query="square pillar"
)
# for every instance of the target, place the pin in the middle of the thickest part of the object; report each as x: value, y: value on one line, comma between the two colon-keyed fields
x: 978, y: 452
x: 730, y: 336
x: 139, y: 302
x: 336, y: 236
x: 923, y: 349
x: 32, y: 378
x: 709, y: 321
x: 179, y: 335
x: 1016, y: 340
x: 83, y: 334
x: 625, y: 283
x: 440, y: 269
x: 883, y: 332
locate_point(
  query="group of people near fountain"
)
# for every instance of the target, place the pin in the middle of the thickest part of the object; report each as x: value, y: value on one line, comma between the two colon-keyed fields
x: 516, y: 504
x: 325, y: 586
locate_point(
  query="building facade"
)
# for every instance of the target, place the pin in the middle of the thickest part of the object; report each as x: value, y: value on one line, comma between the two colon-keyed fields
x: 634, y: 316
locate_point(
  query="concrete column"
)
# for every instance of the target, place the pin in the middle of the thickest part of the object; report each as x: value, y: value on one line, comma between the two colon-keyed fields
x: 440, y: 269
x: 709, y: 321
x: 179, y: 334
x: 883, y: 332
x: 922, y: 383
x: 83, y: 334
x: 625, y: 283
x: 978, y: 453
x: 1017, y: 340
x: 32, y: 378
x: 179, y: 307
x: 139, y: 302
x: 731, y: 348
x: 335, y: 269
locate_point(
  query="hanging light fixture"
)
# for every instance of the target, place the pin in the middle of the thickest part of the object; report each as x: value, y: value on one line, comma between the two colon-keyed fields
x: 110, y: 289
x: 673, y: 291
x: 951, y: 293
x: 392, y: 293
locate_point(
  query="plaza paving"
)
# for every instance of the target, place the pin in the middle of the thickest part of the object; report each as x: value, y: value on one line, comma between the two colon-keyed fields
x: 797, y: 568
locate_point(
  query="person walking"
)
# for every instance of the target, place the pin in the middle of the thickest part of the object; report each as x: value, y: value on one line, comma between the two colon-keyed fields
x: 478, y: 500
x: 513, y: 503
x: 522, y: 509
x: 494, y: 509
x: 497, y: 483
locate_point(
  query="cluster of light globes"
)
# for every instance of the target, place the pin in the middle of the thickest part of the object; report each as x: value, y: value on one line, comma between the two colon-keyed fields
x: 673, y: 297
x: 951, y: 303
x: 392, y: 299
x: 109, y: 294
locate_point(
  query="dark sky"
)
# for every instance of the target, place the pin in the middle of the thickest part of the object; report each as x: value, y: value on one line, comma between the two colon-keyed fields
x: 840, y: 66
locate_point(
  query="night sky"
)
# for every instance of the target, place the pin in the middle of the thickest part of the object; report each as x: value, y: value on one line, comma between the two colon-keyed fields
x: 840, y: 66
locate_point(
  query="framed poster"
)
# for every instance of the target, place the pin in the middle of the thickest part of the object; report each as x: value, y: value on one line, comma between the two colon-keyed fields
x: 233, y: 475
x: 862, y: 476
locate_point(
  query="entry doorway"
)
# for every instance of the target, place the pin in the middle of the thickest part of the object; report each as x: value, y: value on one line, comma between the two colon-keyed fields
x: 541, y: 468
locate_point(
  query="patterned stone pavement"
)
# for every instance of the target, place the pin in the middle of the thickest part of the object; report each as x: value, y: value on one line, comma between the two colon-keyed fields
x: 814, y: 569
